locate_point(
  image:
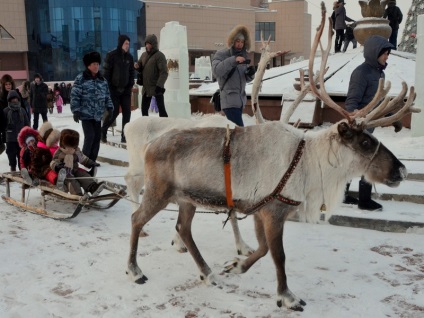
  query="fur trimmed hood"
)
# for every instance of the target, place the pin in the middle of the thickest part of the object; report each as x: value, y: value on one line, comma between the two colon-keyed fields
x: 45, y: 130
x: 53, y: 138
x: 244, y: 31
x: 25, y: 133
x: 69, y: 138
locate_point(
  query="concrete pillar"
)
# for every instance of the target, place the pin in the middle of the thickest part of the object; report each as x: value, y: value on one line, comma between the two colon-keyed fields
x: 417, y: 122
x: 173, y: 43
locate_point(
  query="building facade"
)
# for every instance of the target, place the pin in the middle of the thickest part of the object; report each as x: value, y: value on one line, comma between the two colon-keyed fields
x: 50, y: 37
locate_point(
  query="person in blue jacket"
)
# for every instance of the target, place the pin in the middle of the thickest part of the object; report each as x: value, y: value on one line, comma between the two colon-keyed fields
x: 90, y: 98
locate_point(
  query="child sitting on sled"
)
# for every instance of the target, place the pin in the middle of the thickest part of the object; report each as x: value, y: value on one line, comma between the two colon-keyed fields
x: 48, y: 138
x: 35, y: 162
x: 69, y: 156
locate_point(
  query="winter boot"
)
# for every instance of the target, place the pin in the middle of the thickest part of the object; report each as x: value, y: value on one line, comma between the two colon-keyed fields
x: 60, y: 182
x: 93, y: 171
x: 365, y: 201
x: 26, y: 176
x: 95, y: 188
x: 348, y: 199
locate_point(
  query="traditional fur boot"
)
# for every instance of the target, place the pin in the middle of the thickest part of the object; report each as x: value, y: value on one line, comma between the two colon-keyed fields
x: 365, y: 201
x: 348, y: 199
x: 60, y: 182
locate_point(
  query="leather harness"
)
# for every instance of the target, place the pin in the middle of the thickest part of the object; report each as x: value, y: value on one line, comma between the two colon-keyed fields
x: 275, y: 195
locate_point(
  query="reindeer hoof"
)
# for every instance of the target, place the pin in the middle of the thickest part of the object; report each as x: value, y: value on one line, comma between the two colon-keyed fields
x: 244, y: 250
x: 141, y: 280
x: 290, y: 301
x: 180, y: 249
x: 233, y: 266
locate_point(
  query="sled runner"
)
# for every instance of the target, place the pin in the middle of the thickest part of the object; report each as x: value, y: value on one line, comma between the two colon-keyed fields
x: 57, y: 210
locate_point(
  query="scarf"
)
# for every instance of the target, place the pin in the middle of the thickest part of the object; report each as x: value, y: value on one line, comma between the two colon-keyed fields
x: 69, y: 157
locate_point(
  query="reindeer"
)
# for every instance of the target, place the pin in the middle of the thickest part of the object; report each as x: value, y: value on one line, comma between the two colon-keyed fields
x: 145, y: 129
x: 310, y: 168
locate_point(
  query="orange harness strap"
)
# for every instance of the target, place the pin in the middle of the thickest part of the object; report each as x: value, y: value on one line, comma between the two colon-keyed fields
x: 227, y: 168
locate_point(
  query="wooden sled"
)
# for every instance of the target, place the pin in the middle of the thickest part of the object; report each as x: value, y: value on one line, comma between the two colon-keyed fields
x: 49, y: 191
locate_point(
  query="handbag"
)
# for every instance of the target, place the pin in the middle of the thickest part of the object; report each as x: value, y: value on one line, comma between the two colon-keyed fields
x: 216, y: 97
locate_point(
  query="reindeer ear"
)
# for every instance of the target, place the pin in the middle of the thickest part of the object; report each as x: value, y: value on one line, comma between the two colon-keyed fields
x: 345, y: 131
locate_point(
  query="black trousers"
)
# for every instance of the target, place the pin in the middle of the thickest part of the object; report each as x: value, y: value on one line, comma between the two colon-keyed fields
x: 37, y: 116
x: 339, y: 40
x: 122, y: 100
x: 92, y: 133
x: 12, y: 151
x: 145, y: 105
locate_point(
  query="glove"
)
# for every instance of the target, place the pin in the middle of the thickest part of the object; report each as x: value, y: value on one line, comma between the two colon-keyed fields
x: 76, y: 117
x: 250, y: 71
x: 159, y: 90
x: 59, y: 166
x: 398, y: 125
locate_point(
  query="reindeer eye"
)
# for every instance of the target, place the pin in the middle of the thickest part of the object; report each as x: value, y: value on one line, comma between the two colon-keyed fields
x: 366, y: 144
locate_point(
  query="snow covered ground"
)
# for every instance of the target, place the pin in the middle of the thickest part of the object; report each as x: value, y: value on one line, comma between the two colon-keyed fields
x: 77, y: 268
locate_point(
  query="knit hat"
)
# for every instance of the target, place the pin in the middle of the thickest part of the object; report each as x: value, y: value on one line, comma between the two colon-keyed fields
x: 29, y: 139
x: 91, y: 57
x: 69, y: 138
x: 13, y: 94
x: 239, y: 36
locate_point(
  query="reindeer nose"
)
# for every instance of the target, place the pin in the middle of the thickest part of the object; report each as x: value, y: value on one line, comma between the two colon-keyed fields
x: 403, y: 172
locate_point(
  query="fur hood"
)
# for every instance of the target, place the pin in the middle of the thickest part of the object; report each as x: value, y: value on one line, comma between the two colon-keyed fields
x: 48, y: 135
x: 239, y: 29
x: 69, y: 138
x: 25, y: 133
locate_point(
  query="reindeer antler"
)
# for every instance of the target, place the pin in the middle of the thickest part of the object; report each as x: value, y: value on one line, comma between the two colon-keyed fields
x: 388, y: 111
x: 266, y: 56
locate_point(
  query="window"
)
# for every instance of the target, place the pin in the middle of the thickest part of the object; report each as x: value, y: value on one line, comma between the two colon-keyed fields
x: 4, y: 35
x: 268, y: 28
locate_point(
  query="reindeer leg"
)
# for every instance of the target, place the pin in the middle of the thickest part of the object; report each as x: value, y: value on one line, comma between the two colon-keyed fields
x: 177, y: 242
x: 186, y: 214
x: 152, y: 204
x: 242, y: 247
x: 274, y: 236
x: 135, y: 181
x: 242, y: 266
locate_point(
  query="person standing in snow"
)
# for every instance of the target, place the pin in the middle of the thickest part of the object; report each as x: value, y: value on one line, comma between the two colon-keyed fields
x: 119, y: 73
x: 395, y: 16
x: 90, y: 98
x: 230, y: 66
x: 152, y: 67
x: 363, y: 85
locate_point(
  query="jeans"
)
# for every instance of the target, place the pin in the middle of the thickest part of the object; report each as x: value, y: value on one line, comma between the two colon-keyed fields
x: 346, y: 44
x: 234, y: 115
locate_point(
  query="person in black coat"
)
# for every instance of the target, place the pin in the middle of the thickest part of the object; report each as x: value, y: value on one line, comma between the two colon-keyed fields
x: 119, y: 72
x: 38, y: 98
x: 395, y: 16
x: 16, y: 118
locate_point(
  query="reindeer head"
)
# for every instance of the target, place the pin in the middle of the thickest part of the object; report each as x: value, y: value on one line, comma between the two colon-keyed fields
x: 380, y: 164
